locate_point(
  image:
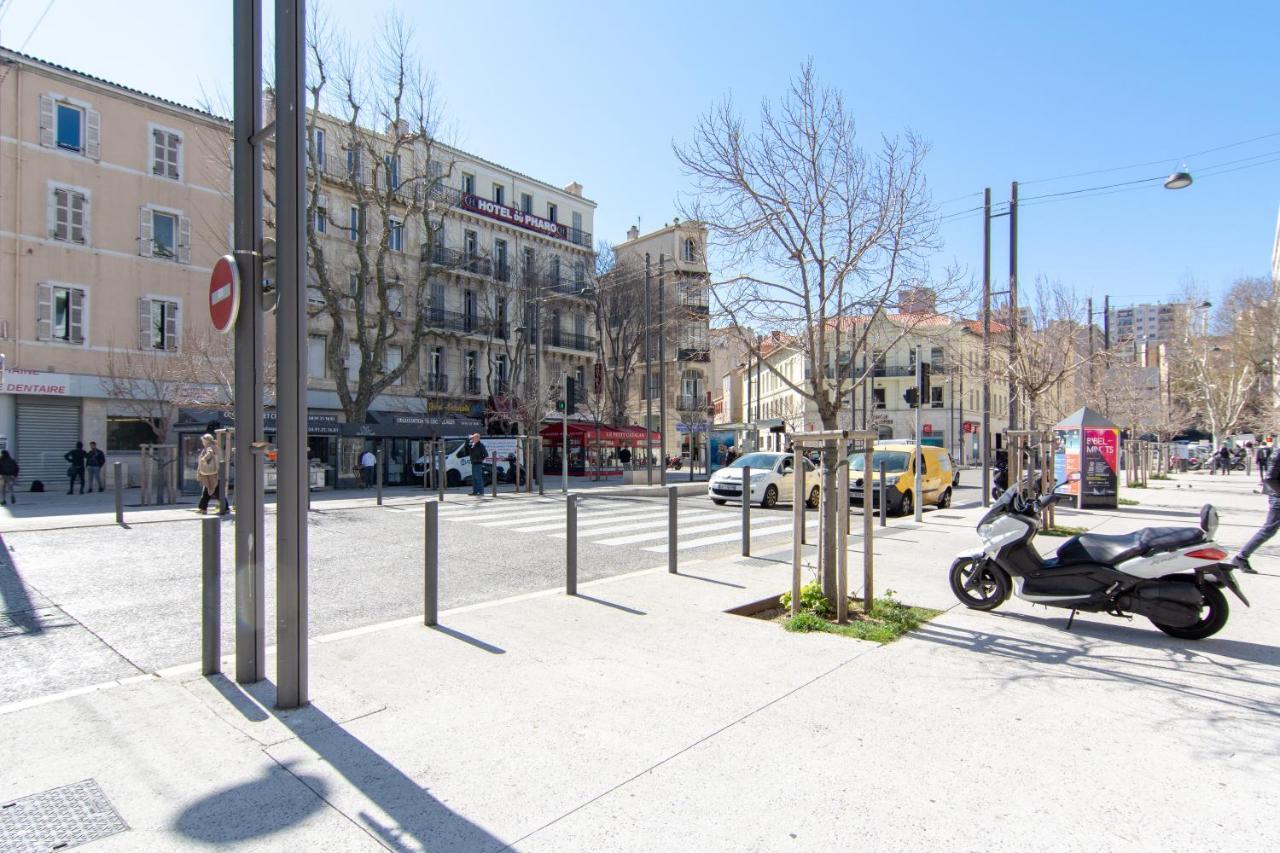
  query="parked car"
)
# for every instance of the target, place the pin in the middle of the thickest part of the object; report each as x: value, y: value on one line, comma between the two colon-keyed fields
x: 457, y: 461
x: 938, y: 477
x: 772, y: 480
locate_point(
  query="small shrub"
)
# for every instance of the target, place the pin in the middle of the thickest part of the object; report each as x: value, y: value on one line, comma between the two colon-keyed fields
x: 811, y: 600
x: 1126, y: 502
x: 805, y: 623
x: 1063, y: 531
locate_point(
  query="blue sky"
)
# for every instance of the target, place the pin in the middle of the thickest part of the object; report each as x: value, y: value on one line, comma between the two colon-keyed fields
x: 1002, y: 91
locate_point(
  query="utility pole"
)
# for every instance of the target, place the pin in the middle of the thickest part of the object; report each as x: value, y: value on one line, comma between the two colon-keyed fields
x: 564, y: 435
x: 662, y: 367
x: 919, y: 484
x: 1106, y: 323
x: 1014, y: 396
x: 986, y: 347
x: 1089, y: 321
x: 648, y: 377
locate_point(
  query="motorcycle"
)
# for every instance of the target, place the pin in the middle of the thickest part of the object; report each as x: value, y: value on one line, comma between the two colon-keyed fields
x: 1171, y: 575
x: 674, y: 463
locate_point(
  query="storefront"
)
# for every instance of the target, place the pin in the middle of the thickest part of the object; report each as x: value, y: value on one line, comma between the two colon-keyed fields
x: 595, y: 449
x: 323, y: 431
x: 400, y: 440
x: 46, y: 422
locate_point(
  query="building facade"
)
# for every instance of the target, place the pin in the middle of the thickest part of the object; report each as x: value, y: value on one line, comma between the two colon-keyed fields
x: 679, y: 250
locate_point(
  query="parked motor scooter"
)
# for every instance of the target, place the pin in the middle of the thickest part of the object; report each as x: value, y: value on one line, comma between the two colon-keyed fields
x: 1171, y: 575
x: 674, y: 463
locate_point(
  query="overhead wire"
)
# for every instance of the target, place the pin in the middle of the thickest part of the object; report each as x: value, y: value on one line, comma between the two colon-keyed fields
x: 1164, y: 160
x: 39, y: 21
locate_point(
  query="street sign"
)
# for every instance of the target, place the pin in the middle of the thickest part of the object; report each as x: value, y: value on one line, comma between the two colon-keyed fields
x: 928, y: 429
x: 970, y: 426
x: 224, y: 294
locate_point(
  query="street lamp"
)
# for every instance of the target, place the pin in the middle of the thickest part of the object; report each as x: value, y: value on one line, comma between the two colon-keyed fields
x: 1178, y: 180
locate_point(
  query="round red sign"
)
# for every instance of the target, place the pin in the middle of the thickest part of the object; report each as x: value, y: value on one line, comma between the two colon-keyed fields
x: 224, y: 294
x: 928, y: 429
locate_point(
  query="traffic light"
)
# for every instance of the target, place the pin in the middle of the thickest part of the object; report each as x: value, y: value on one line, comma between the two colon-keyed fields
x: 571, y: 393
x: 912, y: 396
x: 924, y: 383
x: 560, y: 405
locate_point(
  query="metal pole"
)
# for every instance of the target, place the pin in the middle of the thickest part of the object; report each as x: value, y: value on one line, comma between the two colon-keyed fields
x: 564, y: 437
x: 291, y: 354
x: 442, y: 476
x: 426, y: 465
x: 541, y: 483
x: 648, y: 376
x: 250, y: 522
x: 868, y: 557
x: 672, y: 494
x: 884, y: 494
x: 986, y: 347
x: 662, y: 369
x: 1014, y: 396
x: 842, y: 532
x: 377, y: 456
x: 431, y: 564
x: 118, y: 467
x: 571, y: 546
x: 494, y: 464
x: 797, y: 528
x: 211, y: 587
x: 919, y: 454
x: 746, y: 511
x: 1106, y: 324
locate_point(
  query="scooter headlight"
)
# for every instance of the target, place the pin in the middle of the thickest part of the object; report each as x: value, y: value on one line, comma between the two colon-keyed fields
x: 984, y: 530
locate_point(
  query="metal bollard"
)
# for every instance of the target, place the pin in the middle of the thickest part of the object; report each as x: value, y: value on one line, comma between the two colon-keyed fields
x: 211, y: 585
x: 672, y: 494
x: 378, y: 465
x: 542, y: 486
x: 571, y: 546
x: 118, y: 467
x: 431, y: 563
x: 884, y: 495
x: 746, y: 511
x: 442, y: 476
x: 494, y: 464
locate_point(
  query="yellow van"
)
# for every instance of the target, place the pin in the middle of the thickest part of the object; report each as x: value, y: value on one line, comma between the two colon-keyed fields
x: 938, y: 475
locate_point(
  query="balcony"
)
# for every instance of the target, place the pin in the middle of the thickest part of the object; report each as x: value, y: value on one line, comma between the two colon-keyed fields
x: 453, y: 259
x: 550, y: 284
x: 437, y: 382
x: 695, y: 299
x: 471, y: 385
x: 502, y: 272
x: 569, y: 340
x: 691, y: 402
x: 693, y: 351
x: 509, y: 216
x: 458, y: 321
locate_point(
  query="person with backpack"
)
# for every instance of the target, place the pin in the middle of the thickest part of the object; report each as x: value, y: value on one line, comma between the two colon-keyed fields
x: 76, y: 456
x: 8, y: 476
x: 93, y: 461
x: 1261, y: 457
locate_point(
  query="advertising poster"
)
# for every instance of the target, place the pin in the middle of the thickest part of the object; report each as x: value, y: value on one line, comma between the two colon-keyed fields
x: 718, y: 444
x: 1067, y: 459
x: 1101, y: 466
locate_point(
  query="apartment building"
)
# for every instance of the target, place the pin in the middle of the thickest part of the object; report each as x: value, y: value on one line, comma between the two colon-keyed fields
x: 115, y: 206
x: 679, y: 249
x: 1158, y: 321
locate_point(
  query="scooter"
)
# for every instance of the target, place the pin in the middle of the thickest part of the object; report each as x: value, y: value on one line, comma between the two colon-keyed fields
x: 674, y: 463
x: 1171, y: 575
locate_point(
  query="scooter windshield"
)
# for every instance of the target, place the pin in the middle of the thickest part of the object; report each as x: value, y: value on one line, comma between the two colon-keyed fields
x: 999, y: 508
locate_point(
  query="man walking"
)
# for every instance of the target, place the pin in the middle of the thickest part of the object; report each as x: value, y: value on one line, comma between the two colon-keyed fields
x: 368, y: 466
x: 93, y: 462
x: 76, y: 457
x: 1271, y: 486
x: 8, y: 476
x: 478, y: 453
x: 1261, y: 457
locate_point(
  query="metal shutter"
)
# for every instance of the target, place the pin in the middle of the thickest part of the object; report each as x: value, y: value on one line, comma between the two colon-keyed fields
x: 47, y: 428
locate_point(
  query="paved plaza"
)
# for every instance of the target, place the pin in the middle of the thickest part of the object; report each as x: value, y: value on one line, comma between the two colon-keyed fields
x: 638, y: 715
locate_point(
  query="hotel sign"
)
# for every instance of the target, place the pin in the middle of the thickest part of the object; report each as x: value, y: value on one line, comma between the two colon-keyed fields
x: 36, y: 382
x: 519, y: 218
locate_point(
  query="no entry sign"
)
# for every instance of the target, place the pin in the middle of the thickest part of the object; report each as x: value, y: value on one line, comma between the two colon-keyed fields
x: 224, y: 294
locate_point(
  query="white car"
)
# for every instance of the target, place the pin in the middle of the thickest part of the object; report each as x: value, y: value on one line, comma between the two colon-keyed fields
x: 772, y: 480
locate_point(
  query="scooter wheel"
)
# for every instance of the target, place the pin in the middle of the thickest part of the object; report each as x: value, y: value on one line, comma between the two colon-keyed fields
x: 977, y: 585
x: 1213, y: 615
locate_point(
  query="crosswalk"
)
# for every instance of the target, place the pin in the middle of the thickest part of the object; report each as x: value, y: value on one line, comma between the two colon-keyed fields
x: 622, y: 522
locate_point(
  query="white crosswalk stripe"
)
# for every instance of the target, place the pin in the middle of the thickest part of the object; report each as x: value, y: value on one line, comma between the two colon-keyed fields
x: 685, y: 544
x: 629, y: 521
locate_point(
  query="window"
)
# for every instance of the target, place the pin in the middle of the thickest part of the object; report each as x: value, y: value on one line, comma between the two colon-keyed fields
x: 468, y: 184
x: 128, y: 434
x: 877, y: 398
x: 165, y: 234
x: 70, y: 126
x: 436, y: 363
x: 529, y: 262
x: 555, y: 271
x: 436, y: 314
x: 580, y: 325
x: 580, y: 384
x: 470, y: 366
x: 355, y: 223
x: 499, y: 194
x: 551, y: 211
x: 394, y: 357
x: 500, y: 269
x: 469, y: 309
x: 689, y: 251
x: 166, y: 146
x: 935, y: 358
x: 935, y: 397
x: 395, y: 299
x: 526, y: 202
x: 395, y: 239
x: 322, y: 214
x: 353, y: 284
x: 318, y: 147
x: 579, y: 274
x: 60, y: 313
x: 392, y: 162
x: 70, y: 215
x: 500, y: 369
x: 355, y: 163
x: 316, y: 361
x: 471, y: 245
x: 157, y: 324
x: 576, y: 235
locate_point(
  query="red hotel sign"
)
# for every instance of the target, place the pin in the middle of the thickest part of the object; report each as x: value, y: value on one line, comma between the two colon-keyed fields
x: 519, y: 218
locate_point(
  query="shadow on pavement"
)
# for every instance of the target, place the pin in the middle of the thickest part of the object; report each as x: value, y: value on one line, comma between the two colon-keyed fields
x: 621, y: 607
x: 418, y: 821
x: 469, y: 640
x: 709, y: 580
x: 18, y: 607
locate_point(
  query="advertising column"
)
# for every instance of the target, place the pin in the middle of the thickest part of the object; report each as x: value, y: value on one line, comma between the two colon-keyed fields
x: 1100, y: 467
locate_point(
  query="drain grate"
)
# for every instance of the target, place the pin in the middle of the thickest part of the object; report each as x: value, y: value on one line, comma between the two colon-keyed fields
x: 58, y: 819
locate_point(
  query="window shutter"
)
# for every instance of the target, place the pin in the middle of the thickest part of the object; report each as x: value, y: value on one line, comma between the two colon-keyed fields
x: 175, y: 157
x: 171, y: 326
x: 61, y: 214
x: 76, y: 298
x: 53, y: 212
x: 184, y: 240
x: 46, y: 121
x: 144, y: 323
x: 44, y: 312
x: 145, y: 236
x: 157, y: 152
x: 92, y: 134
x: 80, y: 207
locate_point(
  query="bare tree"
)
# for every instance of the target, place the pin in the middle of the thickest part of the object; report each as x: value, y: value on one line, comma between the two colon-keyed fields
x: 1052, y: 347
x: 618, y: 299
x: 823, y: 230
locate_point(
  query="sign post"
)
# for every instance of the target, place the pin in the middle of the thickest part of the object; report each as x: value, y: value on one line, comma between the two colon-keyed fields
x: 224, y: 294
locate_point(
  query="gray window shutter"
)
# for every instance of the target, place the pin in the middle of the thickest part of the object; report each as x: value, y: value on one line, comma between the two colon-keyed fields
x: 44, y: 311
x: 92, y: 134
x: 46, y: 121
x: 171, y: 326
x: 54, y: 199
x: 76, y: 298
x: 145, y: 235
x: 144, y: 324
x: 184, y: 240
x: 80, y: 216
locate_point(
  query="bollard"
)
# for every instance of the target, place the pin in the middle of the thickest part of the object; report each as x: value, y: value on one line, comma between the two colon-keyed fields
x: 442, y: 476
x: 378, y: 466
x: 671, y: 528
x: 426, y: 465
x: 493, y: 460
x: 431, y: 563
x: 571, y: 546
x: 884, y: 495
x: 542, y: 486
x: 746, y: 511
x: 118, y: 467
x: 211, y: 607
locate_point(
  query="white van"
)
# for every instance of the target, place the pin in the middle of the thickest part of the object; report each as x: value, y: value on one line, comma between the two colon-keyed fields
x: 457, y: 460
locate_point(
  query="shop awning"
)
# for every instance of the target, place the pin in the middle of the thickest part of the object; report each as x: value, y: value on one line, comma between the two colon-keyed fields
x: 587, y: 433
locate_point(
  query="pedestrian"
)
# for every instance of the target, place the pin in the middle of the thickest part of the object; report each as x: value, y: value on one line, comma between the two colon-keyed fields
x: 1261, y: 457
x: 1271, y: 487
x: 368, y: 464
x: 93, y: 462
x: 1222, y: 459
x: 76, y: 457
x: 624, y: 456
x: 477, y: 453
x: 208, y: 474
x: 8, y: 476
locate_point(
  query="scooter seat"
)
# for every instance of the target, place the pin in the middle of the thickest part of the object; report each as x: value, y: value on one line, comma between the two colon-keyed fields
x: 1101, y: 548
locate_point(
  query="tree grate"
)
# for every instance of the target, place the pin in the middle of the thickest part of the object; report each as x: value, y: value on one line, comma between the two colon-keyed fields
x: 58, y: 819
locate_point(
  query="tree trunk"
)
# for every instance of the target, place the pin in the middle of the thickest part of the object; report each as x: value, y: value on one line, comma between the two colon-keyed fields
x: 830, y: 517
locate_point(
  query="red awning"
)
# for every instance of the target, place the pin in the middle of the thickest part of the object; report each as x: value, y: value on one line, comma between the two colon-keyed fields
x: 586, y: 433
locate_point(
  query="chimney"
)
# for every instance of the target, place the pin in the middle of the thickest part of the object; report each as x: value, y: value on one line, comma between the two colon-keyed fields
x: 574, y: 188
x: 397, y: 129
x: 633, y: 233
